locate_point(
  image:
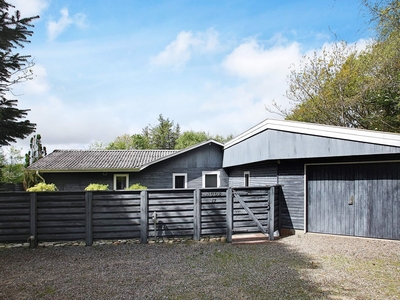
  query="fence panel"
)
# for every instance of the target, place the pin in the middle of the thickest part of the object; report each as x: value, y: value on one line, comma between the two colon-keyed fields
x: 174, y: 210
x: 65, y: 216
x: 116, y: 215
x: 14, y: 217
x: 60, y: 216
x: 213, y: 211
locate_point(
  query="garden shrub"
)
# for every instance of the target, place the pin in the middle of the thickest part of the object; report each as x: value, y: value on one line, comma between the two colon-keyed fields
x: 97, y: 187
x: 43, y: 187
x: 136, y: 186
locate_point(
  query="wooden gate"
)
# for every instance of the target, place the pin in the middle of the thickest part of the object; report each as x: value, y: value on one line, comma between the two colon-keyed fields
x: 354, y: 199
x: 254, y: 210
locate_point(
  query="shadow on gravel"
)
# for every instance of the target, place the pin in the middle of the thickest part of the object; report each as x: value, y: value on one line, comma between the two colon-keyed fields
x: 160, y: 271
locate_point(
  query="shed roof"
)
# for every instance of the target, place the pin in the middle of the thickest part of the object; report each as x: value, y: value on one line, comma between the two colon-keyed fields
x: 106, y: 160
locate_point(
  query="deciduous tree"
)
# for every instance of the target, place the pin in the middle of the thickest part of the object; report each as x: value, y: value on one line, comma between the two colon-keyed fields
x: 346, y: 87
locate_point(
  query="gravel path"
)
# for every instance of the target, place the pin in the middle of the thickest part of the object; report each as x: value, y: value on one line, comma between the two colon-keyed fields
x: 296, y: 267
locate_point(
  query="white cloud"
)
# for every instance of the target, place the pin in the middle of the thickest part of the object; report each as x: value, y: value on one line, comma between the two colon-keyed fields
x: 55, y: 28
x: 30, y: 8
x: 251, y: 60
x: 180, y: 51
x: 39, y: 83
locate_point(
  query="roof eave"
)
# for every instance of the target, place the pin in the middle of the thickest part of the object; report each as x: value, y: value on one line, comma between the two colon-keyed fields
x: 86, y: 170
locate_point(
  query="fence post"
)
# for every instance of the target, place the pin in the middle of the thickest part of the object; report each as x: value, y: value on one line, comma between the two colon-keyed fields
x: 271, y: 214
x: 88, y: 217
x: 33, y: 238
x: 144, y: 217
x: 197, y: 215
x: 229, y: 215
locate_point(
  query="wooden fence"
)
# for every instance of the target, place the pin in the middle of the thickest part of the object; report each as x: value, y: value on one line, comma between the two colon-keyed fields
x: 65, y: 216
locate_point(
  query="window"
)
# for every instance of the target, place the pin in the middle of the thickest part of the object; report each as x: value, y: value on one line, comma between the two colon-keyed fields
x: 179, y: 180
x: 247, y: 178
x: 121, y: 181
x: 211, y: 179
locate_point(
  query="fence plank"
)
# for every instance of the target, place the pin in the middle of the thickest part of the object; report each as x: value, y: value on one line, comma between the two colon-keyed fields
x: 33, y: 239
x: 89, y: 224
x: 271, y: 214
x: 144, y: 216
x: 229, y: 215
x: 197, y: 215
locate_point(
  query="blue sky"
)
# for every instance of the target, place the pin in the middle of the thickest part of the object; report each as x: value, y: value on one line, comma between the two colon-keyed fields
x: 105, y: 68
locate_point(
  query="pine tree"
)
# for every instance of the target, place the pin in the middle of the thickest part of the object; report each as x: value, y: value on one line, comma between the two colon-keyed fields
x: 14, y: 68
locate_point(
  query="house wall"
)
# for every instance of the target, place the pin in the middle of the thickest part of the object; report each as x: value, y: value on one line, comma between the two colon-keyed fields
x: 288, y: 174
x: 156, y: 176
x: 279, y: 145
x: 194, y: 162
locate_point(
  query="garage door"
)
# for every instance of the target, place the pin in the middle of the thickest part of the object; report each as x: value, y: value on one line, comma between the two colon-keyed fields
x: 354, y: 199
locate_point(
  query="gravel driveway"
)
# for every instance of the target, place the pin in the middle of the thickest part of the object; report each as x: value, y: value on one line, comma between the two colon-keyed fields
x: 296, y: 267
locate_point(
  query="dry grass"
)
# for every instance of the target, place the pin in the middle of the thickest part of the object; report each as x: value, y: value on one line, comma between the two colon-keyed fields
x: 296, y: 267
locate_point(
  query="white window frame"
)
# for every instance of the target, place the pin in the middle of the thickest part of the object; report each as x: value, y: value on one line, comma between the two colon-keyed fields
x: 218, y: 173
x: 244, y: 178
x: 120, y: 175
x: 179, y: 174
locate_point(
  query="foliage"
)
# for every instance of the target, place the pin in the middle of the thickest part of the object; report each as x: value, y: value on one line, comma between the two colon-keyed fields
x: 96, y: 187
x: 136, y: 186
x: 30, y: 179
x: 37, y: 151
x: 345, y: 87
x: 14, y: 68
x: 191, y: 138
x: 384, y: 16
x: 43, y: 187
x: 129, y: 142
x: 163, y: 135
x: 97, y: 145
x: 12, y: 168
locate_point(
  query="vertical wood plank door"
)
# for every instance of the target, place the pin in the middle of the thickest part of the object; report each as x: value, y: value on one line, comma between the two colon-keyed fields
x: 355, y: 199
x: 329, y: 191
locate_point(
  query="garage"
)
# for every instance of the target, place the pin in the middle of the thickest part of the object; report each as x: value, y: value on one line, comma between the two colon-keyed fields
x: 356, y: 199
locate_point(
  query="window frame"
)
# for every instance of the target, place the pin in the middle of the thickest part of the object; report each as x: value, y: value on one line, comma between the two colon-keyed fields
x: 174, y: 175
x: 115, y: 181
x: 246, y: 173
x: 205, y: 173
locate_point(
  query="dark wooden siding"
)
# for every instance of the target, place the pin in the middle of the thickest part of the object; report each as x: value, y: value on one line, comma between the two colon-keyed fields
x: 275, y: 144
x: 291, y: 198
x: 14, y: 216
x: 354, y: 199
x: 261, y: 174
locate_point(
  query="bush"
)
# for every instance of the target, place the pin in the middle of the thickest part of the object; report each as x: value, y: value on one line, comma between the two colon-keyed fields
x: 136, y: 186
x: 43, y: 187
x: 96, y: 187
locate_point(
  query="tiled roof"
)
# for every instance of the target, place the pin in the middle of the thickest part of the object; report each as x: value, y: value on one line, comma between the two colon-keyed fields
x: 90, y: 160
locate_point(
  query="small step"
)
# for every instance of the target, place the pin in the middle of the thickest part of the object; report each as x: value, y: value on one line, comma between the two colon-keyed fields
x: 249, y: 238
